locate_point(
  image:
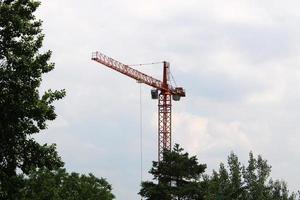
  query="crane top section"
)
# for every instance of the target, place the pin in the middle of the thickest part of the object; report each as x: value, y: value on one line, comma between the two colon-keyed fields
x: 163, y: 86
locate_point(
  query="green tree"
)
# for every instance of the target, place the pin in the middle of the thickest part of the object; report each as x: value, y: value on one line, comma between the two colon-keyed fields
x: 251, y: 182
x: 279, y: 190
x: 177, y: 176
x: 256, y: 175
x: 23, y: 111
x: 226, y: 185
x: 45, y: 184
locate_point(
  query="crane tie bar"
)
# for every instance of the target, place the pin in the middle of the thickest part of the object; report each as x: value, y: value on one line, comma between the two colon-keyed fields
x: 153, y: 63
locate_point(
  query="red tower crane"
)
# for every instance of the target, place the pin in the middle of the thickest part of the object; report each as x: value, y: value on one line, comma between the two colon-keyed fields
x: 162, y: 90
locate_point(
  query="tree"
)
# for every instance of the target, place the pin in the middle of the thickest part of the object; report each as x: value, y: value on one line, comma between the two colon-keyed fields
x: 23, y: 111
x: 251, y: 182
x: 226, y: 185
x: 255, y: 178
x: 60, y: 185
x: 177, y: 176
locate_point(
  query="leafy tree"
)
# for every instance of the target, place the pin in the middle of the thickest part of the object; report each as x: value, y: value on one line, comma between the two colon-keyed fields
x: 45, y: 184
x: 23, y: 111
x: 251, y: 182
x: 279, y: 190
x: 226, y: 185
x: 177, y: 176
x: 255, y: 177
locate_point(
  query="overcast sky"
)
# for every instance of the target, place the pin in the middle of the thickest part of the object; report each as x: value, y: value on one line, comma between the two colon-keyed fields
x: 237, y: 59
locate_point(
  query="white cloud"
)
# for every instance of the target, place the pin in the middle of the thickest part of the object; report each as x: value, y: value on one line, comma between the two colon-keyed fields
x: 204, y: 135
x: 238, y: 60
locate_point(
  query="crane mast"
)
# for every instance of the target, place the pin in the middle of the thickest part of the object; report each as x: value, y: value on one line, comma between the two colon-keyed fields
x: 163, y: 91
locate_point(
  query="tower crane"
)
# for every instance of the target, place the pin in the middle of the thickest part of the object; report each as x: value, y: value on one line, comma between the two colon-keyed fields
x: 162, y: 90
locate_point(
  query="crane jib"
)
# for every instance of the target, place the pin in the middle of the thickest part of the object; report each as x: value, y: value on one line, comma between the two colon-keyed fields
x: 133, y: 73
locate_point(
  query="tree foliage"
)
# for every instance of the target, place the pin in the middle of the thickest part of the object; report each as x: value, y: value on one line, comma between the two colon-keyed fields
x: 60, y: 185
x: 180, y: 177
x: 177, y: 176
x: 23, y: 111
x: 251, y: 182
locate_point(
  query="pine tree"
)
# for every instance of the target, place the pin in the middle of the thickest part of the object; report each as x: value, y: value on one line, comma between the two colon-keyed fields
x: 177, y: 176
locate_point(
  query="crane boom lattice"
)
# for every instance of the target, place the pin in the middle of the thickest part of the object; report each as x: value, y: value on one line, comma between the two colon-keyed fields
x: 163, y: 91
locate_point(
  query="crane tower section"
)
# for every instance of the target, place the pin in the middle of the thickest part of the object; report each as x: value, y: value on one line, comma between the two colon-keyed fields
x: 162, y: 90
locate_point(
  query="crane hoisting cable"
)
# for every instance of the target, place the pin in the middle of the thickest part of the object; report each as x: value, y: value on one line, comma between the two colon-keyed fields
x: 162, y: 90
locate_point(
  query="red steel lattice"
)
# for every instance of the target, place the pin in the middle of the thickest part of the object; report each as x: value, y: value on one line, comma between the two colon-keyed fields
x: 164, y: 123
x: 166, y: 92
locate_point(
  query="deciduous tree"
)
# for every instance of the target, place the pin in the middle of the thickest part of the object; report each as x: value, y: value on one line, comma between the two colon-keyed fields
x: 251, y: 182
x: 60, y: 185
x: 24, y: 111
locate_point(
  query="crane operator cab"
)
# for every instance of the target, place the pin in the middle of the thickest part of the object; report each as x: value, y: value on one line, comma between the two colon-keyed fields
x: 154, y: 93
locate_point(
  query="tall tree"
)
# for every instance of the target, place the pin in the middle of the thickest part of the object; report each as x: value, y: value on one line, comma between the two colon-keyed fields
x: 251, y: 182
x: 226, y: 184
x: 177, y: 176
x: 23, y: 111
x: 256, y: 175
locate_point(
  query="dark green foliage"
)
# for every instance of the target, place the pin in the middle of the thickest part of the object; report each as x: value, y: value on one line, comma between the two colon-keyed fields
x: 44, y: 184
x: 249, y: 182
x: 23, y: 111
x: 178, y: 176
